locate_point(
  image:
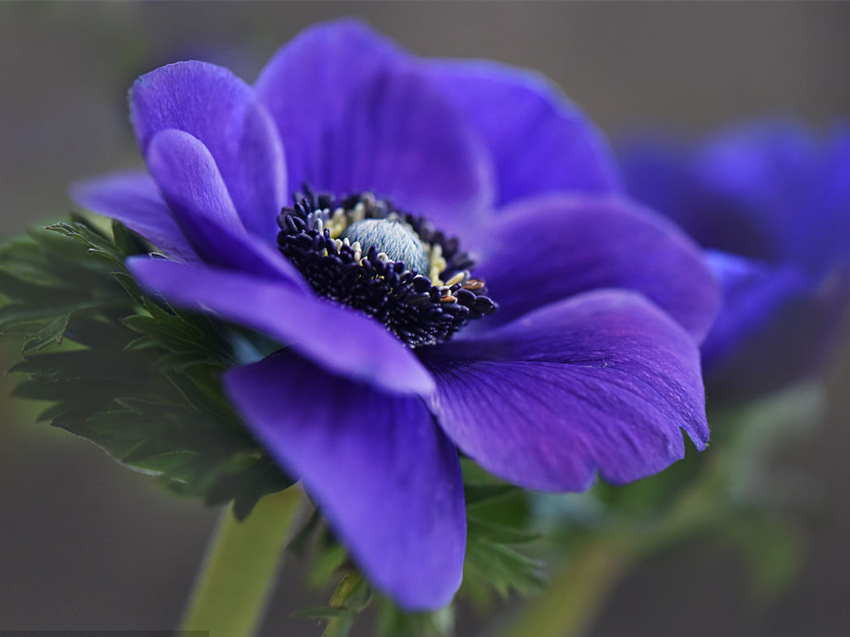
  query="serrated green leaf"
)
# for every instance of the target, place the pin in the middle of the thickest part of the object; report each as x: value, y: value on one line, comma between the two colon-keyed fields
x: 85, y: 364
x: 165, y: 462
x: 99, y: 333
x: 324, y: 612
x: 504, y: 569
x: 21, y: 289
x: 149, y: 396
x: 76, y: 392
x: 19, y: 314
x: 127, y: 241
x: 480, y: 493
x: 129, y: 285
x: 499, y: 533
x: 98, y: 244
x: 51, y: 334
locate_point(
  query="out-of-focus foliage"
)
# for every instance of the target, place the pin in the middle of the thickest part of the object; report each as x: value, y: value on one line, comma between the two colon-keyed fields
x: 124, y: 371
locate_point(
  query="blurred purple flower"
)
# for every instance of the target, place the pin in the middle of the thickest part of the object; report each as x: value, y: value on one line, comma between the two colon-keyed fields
x: 581, y: 371
x: 771, y: 206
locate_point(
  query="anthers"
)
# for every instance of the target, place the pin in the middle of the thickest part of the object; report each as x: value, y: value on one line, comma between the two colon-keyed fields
x: 395, y: 266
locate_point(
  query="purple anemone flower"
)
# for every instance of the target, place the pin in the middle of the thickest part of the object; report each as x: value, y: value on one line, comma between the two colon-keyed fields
x: 770, y: 203
x: 460, y: 273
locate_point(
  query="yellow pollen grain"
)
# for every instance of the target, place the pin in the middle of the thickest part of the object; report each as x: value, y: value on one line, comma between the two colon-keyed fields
x: 457, y: 278
x: 437, y: 263
x: 337, y: 224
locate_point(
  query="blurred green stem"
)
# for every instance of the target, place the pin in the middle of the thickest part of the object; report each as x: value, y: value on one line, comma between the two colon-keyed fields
x: 575, y: 596
x: 238, y: 573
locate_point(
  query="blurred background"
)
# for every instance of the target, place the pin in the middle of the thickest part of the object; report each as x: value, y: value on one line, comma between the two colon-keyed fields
x: 86, y: 544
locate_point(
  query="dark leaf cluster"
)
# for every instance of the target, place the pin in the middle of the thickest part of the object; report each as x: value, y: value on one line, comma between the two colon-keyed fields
x: 133, y: 375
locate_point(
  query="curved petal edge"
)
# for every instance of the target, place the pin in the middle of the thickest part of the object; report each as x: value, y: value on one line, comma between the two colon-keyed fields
x: 604, y: 383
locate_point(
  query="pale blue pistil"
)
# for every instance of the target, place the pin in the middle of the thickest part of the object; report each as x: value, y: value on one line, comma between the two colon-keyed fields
x: 393, y: 238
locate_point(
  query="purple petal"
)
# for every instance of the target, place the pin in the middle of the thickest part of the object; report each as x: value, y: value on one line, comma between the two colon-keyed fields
x: 307, y: 86
x: 776, y: 326
x: 190, y: 180
x: 219, y: 109
x: 755, y: 177
x: 133, y: 198
x: 792, y: 186
x: 192, y: 185
x: 835, y: 197
x: 753, y: 294
x: 340, y: 340
x: 602, y: 382
x: 355, y: 113
x: 378, y: 467
x: 546, y: 249
x: 540, y: 142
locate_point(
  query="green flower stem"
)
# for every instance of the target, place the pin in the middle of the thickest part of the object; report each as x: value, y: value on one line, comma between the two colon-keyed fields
x: 238, y: 573
x: 575, y: 596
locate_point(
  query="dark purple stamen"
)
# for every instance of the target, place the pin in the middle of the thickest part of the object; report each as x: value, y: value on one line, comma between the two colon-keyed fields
x: 418, y: 310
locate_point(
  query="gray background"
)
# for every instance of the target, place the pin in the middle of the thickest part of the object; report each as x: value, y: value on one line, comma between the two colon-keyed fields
x: 86, y: 544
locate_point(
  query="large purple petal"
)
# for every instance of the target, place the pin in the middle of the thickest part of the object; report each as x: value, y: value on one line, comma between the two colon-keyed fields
x: 378, y: 467
x: 308, y: 83
x: 795, y: 189
x: 133, y: 198
x: 340, y: 340
x: 192, y: 185
x: 540, y: 142
x: 602, y: 382
x: 755, y: 178
x: 220, y: 110
x: 546, y: 249
x: 355, y: 113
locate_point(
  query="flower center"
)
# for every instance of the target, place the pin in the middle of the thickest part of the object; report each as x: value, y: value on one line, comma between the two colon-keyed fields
x: 393, y: 238
x: 392, y: 265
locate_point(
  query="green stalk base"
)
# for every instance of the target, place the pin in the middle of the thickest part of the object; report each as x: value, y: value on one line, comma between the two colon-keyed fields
x: 238, y: 574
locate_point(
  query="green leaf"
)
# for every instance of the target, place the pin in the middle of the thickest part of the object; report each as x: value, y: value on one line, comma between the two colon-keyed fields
x: 87, y: 364
x: 127, y: 241
x: 166, y: 462
x: 503, y: 568
x: 32, y: 291
x: 478, y: 528
x: 324, y: 612
x: 51, y: 334
x: 484, y: 493
x: 134, y: 376
x: 16, y: 314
